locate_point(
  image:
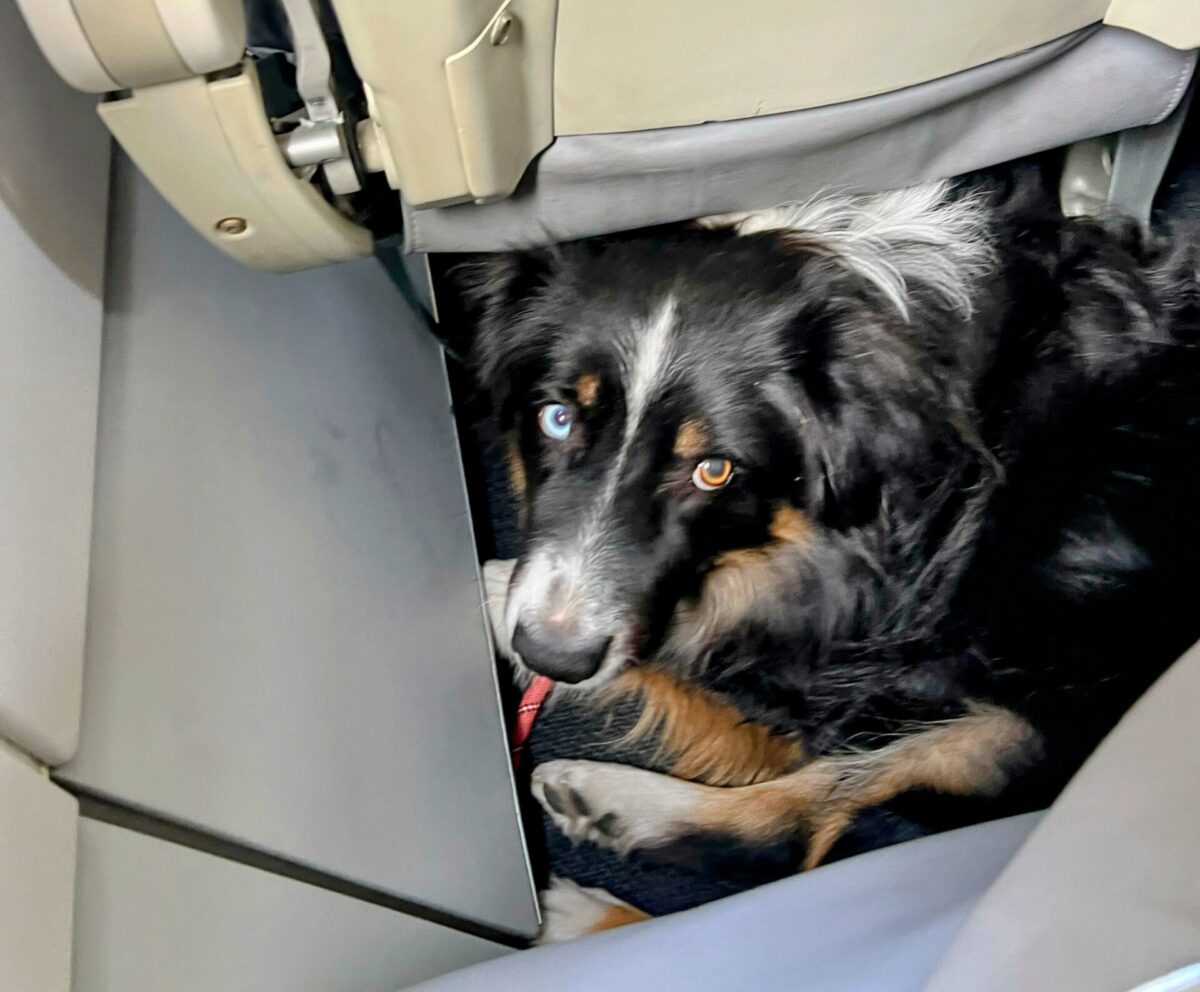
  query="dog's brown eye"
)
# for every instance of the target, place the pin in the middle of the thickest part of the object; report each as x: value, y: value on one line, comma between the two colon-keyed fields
x: 712, y: 473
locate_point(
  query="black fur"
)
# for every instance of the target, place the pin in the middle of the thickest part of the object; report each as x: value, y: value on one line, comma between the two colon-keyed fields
x: 1005, y: 504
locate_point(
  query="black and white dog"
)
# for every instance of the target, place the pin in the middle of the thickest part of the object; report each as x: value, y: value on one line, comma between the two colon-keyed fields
x: 869, y: 498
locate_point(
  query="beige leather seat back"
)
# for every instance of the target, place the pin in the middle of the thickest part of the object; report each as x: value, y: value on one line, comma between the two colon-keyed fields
x: 544, y: 108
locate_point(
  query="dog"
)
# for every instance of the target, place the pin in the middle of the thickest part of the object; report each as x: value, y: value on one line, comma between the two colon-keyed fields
x: 872, y: 500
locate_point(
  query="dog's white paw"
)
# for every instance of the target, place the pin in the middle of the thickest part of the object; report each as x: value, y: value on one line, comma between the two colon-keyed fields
x: 616, y: 806
x: 570, y: 910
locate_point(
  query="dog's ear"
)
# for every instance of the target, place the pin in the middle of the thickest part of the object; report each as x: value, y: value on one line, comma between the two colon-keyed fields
x: 499, y: 292
x: 868, y: 406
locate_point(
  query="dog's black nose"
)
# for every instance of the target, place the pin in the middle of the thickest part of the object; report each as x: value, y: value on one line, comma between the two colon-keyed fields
x: 560, y: 659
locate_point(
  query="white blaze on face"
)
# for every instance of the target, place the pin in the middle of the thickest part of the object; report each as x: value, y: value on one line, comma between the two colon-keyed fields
x: 570, y: 577
x: 645, y: 368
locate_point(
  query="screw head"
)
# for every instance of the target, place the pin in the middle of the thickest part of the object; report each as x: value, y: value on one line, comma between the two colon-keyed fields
x: 232, y: 225
x: 501, y: 30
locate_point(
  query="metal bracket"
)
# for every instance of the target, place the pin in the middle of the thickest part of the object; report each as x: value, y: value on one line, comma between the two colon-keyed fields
x: 320, y: 139
x: 1121, y: 171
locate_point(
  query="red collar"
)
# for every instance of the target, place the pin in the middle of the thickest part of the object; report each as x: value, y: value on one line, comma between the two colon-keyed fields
x: 531, y: 702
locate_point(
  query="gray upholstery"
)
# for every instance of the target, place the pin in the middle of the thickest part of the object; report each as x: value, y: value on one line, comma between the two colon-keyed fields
x: 874, y: 923
x: 286, y: 642
x: 1106, y: 894
x: 1092, y: 82
x: 153, y: 916
x: 1100, y: 894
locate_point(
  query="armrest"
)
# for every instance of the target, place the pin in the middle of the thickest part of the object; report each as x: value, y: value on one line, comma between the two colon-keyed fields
x: 1105, y: 894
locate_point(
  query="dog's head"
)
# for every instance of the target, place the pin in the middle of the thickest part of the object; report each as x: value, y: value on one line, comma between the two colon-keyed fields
x: 669, y: 402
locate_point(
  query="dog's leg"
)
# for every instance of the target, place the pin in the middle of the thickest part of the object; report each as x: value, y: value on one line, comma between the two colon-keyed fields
x: 624, y: 808
x: 570, y: 910
x: 704, y: 737
x: 977, y: 754
x: 618, y: 806
x: 708, y: 739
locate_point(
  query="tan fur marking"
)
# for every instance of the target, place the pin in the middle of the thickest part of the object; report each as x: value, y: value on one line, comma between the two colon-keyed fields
x: 797, y: 241
x: 770, y: 811
x: 587, y: 389
x: 738, y: 580
x: 516, y: 468
x: 789, y: 529
x: 691, y: 441
x: 790, y: 526
x: 969, y: 756
x: 708, y: 738
x: 618, y: 916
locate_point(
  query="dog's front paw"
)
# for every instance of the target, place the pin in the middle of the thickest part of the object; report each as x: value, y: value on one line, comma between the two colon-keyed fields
x: 616, y: 806
x: 569, y: 910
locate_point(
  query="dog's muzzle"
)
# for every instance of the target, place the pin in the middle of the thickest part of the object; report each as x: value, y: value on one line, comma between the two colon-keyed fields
x: 563, y: 660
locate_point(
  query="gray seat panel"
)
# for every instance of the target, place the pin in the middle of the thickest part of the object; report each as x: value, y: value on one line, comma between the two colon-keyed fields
x: 153, y: 916
x: 286, y: 642
x: 1089, y: 83
x: 1106, y: 894
x: 875, y: 923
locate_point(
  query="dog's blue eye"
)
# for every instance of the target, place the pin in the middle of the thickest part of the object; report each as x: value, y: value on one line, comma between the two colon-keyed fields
x: 555, y: 420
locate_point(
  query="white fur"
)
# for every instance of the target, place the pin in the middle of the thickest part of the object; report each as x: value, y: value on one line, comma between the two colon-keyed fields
x: 567, y: 580
x: 570, y: 910
x: 551, y: 582
x: 645, y: 808
x: 645, y: 368
x: 497, y: 575
x: 918, y: 234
